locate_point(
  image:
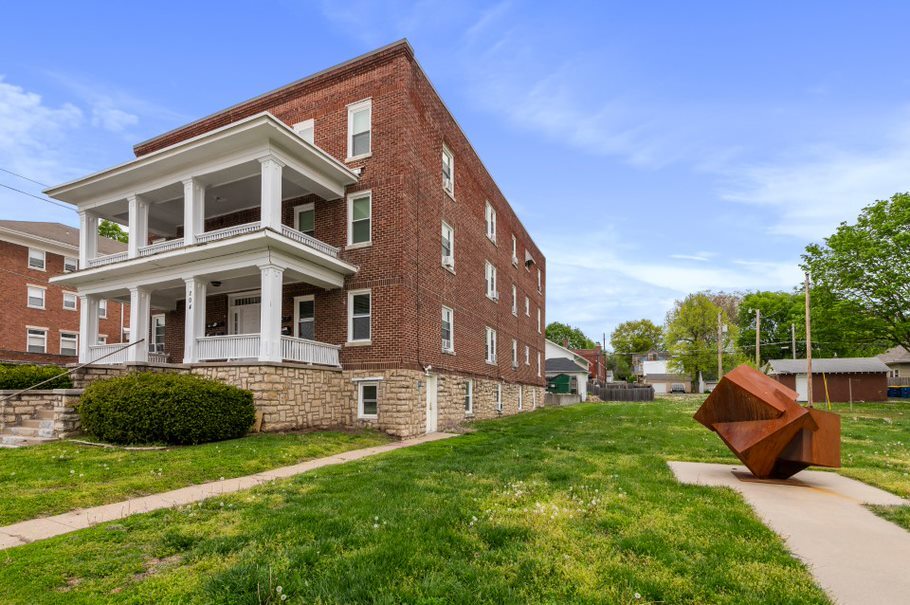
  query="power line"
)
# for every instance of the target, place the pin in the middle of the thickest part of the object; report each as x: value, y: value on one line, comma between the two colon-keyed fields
x: 24, y: 177
x: 38, y: 197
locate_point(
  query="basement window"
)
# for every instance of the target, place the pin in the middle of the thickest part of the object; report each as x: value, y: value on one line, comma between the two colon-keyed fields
x: 368, y: 400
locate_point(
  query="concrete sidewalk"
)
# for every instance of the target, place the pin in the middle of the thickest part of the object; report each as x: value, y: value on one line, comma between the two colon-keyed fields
x: 26, y: 532
x: 854, y: 555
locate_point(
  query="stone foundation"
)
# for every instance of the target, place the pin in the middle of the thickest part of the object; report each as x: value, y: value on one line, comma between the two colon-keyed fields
x: 60, y: 402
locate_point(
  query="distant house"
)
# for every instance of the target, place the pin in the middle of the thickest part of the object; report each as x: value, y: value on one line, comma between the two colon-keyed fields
x: 566, y: 370
x: 597, y: 367
x: 658, y: 375
x: 638, y: 360
x: 836, y: 379
x: 898, y: 361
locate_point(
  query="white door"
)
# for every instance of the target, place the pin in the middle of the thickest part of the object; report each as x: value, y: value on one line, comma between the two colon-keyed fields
x: 432, y: 404
x: 802, y: 387
x: 245, y: 314
x: 660, y: 388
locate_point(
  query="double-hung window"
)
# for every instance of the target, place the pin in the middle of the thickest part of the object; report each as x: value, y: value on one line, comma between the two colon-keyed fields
x: 514, y: 250
x: 521, y: 403
x: 514, y: 353
x: 527, y: 307
x: 538, y: 364
x: 367, y: 400
x: 36, y: 297
x: 158, y: 330
x: 69, y: 343
x: 305, y: 317
x: 539, y: 281
x: 305, y: 218
x: 448, y: 246
x: 448, y: 171
x: 468, y: 397
x: 527, y: 355
x: 360, y: 218
x: 70, y: 301
x: 514, y: 300
x: 490, y: 215
x: 37, y: 259
x: 70, y: 264
x: 360, y: 117
x: 359, y: 316
x: 538, y: 320
x: 306, y: 130
x: 490, y: 346
x: 448, y: 331
x: 36, y: 340
x: 498, y: 396
x: 102, y: 309
x: 492, y: 292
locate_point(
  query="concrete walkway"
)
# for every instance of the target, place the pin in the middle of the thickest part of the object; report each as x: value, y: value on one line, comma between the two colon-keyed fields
x: 26, y: 532
x: 854, y: 555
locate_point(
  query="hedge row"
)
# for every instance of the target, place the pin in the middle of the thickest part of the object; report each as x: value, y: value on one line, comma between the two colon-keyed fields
x: 25, y: 376
x: 165, y: 408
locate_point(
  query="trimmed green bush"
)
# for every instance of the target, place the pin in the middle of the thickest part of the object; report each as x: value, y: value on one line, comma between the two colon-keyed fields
x: 175, y: 409
x: 25, y: 376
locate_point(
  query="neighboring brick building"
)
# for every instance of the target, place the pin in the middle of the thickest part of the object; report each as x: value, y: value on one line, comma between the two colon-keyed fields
x: 597, y: 363
x: 342, y: 221
x: 41, y: 320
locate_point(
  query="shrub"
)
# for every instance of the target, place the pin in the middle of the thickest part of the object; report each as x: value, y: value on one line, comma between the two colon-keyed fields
x: 25, y: 376
x: 165, y: 408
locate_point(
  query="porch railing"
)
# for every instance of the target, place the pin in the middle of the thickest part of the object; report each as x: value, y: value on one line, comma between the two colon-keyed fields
x: 159, y: 247
x: 233, y: 346
x: 100, y: 261
x: 113, y: 353
x: 309, y: 240
x: 309, y: 351
x: 217, y: 234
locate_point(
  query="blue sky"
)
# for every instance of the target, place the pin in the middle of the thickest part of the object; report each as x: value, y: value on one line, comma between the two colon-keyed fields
x: 651, y: 148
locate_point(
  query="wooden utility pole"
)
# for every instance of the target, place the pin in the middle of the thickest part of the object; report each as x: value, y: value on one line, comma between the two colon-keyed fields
x: 793, y: 339
x: 758, y: 338
x: 808, y: 347
x: 720, y: 347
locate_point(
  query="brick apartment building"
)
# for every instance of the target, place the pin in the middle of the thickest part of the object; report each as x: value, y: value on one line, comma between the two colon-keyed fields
x: 338, y: 239
x: 41, y: 320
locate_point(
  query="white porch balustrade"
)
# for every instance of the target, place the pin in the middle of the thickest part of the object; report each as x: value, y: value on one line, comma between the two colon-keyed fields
x: 98, y: 353
x: 246, y: 346
x: 218, y: 234
x: 100, y: 261
x: 309, y: 351
x: 159, y: 247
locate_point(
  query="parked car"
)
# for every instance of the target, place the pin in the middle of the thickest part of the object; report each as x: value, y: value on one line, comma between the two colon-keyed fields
x: 677, y: 387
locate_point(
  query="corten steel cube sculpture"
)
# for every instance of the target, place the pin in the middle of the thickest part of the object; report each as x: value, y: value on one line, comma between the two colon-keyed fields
x: 759, y: 419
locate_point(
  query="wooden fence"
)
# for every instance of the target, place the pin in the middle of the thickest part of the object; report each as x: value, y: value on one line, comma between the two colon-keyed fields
x: 617, y: 391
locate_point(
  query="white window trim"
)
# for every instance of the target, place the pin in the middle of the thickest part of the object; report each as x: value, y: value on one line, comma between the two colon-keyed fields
x: 490, y: 344
x: 27, y: 335
x: 76, y: 338
x: 538, y: 364
x: 312, y: 206
x: 451, y: 347
x: 491, y: 281
x: 298, y: 299
x: 28, y: 296
x: 450, y: 190
x: 310, y: 125
x: 499, y: 397
x: 75, y: 296
x: 539, y: 281
x: 360, y: 384
x: 352, y: 109
x: 351, y: 197
x: 490, y: 221
x: 451, y: 258
x: 527, y: 306
x: 351, y: 295
x: 28, y: 260
x: 514, y: 300
x: 152, y: 342
x: 75, y: 261
x: 102, y: 308
x: 514, y: 353
x: 514, y: 250
x: 102, y: 339
x: 538, y: 320
x: 527, y: 355
x: 521, y: 402
x: 469, y: 396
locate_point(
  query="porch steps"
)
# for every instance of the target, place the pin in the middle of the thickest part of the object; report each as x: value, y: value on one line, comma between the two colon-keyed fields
x: 31, y: 431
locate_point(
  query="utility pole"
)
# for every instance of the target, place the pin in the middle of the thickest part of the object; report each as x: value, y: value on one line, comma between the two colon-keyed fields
x: 808, y: 347
x: 793, y: 339
x: 720, y: 347
x: 758, y: 338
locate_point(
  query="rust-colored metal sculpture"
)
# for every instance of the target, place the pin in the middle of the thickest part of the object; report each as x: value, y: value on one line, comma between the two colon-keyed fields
x: 759, y: 419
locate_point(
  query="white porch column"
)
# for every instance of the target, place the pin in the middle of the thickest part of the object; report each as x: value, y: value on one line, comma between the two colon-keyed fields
x: 271, y: 192
x: 140, y: 316
x: 88, y: 237
x: 193, y: 210
x: 139, y: 224
x: 194, y: 322
x: 270, y: 313
x: 88, y: 325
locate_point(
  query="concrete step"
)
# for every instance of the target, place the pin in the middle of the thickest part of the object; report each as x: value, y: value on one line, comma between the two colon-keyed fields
x: 38, y: 424
x: 27, y: 431
x: 8, y: 440
x: 45, y: 415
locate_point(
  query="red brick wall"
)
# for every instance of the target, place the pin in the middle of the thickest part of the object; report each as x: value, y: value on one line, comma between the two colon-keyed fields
x: 15, y: 277
x: 402, y: 266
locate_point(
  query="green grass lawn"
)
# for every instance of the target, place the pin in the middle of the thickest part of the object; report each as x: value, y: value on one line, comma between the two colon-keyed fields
x: 62, y: 476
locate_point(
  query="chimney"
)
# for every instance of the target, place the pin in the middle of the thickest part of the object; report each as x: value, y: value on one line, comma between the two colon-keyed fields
x: 565, y: 342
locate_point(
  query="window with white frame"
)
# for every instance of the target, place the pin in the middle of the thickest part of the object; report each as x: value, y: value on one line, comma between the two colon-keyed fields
x: 70, y: 301
x: 514, y: 353
x: 158, y: 331
x: 448, y: 171
x: 448, y: 331
x: 360, y: 215
x: 69, y: 343
x: 492, y: 292
x: 514, y: 250
x: 469, y: 396
x: 306, y: 130
x: 498, y: 396
x: 36, y: 297
x: 491, y: 222
x: 36, y: 340
x: 538, y: 320
x: 527, y: 307
x: 102, y: 339
x: 538, y: 364
x: 521, y: 403
x: 70, y: 264
x: 360, y: 116
x: 102, y: 308
x: 527, y: 355
x: 448, y: 246
x: 305, y: 219
x: 305, y: 317
x: 367, y: 400
x: 37, y: 259
x: 359, y: 316
x: 489, y: 349
x: 514, y: 300
x: 539, y: 281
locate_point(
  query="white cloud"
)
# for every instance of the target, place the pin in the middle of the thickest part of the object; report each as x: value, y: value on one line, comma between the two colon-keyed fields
x: 695, y: 257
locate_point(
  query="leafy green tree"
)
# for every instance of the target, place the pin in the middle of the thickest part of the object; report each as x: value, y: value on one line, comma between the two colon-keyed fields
x: 560, y: 332
x: 631, y: 337
x: 690, y: 337
x: 622, y: 368
x: 778, y: 311
x: 865, y: 266
x: 113, y: 231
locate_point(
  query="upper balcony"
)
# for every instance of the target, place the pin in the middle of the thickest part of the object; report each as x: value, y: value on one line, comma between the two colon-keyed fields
x: 242, y: 172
